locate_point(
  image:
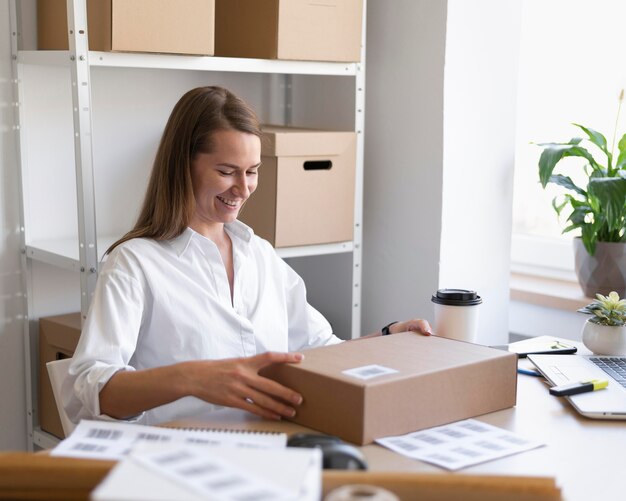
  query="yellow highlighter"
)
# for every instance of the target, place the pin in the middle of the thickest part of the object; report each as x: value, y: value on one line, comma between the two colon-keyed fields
x: 576, y: 388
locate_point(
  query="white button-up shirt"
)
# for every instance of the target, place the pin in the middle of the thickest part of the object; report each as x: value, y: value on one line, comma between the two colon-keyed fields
x: 157, y: 303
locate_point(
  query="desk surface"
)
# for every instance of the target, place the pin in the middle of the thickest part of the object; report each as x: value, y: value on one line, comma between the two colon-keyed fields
x: 582, y: 454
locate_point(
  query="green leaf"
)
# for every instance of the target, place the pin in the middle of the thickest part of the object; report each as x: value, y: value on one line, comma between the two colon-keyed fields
x: 589, y: 238
x: 576, y: 203
x: 567, y: 182
x: 598, y: 173
x: 611, y: 195
x: 574, y: 140
x: 621, y: 158
x: 595, y: 137
x: 553, y: 153
x: 558, y: 206
x: 577, y: 216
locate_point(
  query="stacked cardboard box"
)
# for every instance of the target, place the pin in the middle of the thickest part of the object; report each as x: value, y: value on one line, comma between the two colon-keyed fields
x: 58, y: 337
x: 168, y: 26
x: 289, y: 29
x: 268, y: 29
x: 306, y: 187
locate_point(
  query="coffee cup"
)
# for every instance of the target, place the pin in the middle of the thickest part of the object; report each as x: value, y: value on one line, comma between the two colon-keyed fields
x: 456, y: 314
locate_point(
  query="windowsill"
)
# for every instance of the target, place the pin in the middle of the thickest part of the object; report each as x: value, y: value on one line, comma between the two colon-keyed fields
x: 547, y: 292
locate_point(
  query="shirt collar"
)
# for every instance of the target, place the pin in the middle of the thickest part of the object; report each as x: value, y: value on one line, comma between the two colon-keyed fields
x: 181, y: 242
x: 240, y: 230
x: 236, y: 229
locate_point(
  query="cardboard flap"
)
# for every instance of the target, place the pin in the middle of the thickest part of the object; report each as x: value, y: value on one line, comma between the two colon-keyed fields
x: 408, y: 352
x: 290, y: 141
x: 61, y: 332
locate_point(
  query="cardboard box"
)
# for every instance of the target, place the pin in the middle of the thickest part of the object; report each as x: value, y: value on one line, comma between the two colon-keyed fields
x: 58, y: 337
x: 167, y: 26
x: 438, y: 381
x: 52, y: 32
x: 305, y: 194
x: 289, y: 29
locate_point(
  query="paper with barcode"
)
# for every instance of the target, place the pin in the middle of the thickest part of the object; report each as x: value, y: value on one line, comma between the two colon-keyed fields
x: 459, y: 445
x: 188, y: 472
x: 210, y: 475
x: 114, y: 440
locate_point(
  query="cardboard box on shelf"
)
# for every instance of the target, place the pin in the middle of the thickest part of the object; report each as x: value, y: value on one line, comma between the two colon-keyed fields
x: 52, y: 31
x: 165, y: 26
x: 305, y: 194
x: 392, y: 385
x: 289, y: 29
x: 58, y: 337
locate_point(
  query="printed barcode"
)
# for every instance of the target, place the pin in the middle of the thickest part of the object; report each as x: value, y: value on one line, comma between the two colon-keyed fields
x: 369, y: 371
x: 199, y: 469
x: 513, y: 440
x: 153, y: 437
x: 489, y: 445
x: 172, y: 458
x: 430, y: 439
x: 452, y: 433
x: 407, y: 446
x: 102, y: 433
x: 474, y: 427
x: 197, y: 440
x: 373, y: 371
x: 467, y: 452
x: 89, y: 447
x: 225, y: 483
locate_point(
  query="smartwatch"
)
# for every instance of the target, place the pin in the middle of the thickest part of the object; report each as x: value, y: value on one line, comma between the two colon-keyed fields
x: 385, y: 329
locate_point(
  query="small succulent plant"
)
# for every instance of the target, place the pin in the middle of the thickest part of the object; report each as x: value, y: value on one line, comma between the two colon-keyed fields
x: 607, y: 310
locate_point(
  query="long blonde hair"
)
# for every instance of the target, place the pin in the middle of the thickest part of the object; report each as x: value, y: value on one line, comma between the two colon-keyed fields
x: 169, y: 203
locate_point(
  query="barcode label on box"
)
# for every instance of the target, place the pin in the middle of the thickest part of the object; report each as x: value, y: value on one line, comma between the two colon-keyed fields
x: 369, y: 371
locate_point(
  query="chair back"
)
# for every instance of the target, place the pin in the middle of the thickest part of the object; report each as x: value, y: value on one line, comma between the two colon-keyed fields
x: 58, y: 371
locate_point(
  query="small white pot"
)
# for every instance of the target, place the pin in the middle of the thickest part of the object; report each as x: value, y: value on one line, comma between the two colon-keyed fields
x: 604, y: 339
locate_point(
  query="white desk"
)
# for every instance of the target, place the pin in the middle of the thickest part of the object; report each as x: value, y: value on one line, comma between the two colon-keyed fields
x: 584, y: 455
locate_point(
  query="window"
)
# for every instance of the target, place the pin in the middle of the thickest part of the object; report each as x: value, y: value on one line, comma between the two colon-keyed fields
x: 571, y: 70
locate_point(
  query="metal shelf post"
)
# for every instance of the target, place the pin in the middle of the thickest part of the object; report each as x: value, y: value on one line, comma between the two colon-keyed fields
x: 81, y: 102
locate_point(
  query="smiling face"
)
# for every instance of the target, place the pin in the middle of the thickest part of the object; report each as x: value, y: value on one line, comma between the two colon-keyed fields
x: 224, y: 179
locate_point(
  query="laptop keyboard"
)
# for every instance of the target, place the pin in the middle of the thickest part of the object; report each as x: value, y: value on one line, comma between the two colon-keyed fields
x: 613, y: 366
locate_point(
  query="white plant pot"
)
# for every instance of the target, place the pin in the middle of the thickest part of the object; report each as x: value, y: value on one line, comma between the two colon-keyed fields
x: 604, y: 339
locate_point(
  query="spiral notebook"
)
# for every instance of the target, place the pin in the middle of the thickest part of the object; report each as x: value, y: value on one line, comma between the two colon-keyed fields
x: 114, y: 440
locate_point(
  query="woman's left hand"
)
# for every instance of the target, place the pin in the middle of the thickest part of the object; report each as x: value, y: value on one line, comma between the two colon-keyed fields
x: 418, y: 325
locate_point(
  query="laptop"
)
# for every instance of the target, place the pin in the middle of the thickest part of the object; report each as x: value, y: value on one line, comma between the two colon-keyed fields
x: 609, y: 403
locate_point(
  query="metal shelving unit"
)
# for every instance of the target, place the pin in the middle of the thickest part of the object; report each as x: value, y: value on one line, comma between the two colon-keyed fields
x: 82, y: 253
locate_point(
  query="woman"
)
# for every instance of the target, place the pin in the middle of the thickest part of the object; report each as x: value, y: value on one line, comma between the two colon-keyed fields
x: 190, y: 304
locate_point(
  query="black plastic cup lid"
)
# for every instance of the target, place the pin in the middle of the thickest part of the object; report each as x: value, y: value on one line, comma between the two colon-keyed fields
x: 456, y: 297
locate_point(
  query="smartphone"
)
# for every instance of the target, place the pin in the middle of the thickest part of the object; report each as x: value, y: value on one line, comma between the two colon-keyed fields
x: 542, y: 345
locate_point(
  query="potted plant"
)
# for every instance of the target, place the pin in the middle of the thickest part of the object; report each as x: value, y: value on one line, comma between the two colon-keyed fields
x: 597, y: 209
x: 605, y: 333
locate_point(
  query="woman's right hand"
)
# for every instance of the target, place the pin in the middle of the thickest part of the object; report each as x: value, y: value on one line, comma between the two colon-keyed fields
x: 236, y: 382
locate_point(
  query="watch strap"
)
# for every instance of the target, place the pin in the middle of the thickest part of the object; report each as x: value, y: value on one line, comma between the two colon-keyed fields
x: 385, y: 329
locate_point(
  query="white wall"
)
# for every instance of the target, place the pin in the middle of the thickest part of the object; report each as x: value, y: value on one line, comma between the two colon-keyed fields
x: 532, y: 320
x: 479, y: 143
x: 403, y: 159
x: 13, y: 406
x: 440, y: 117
